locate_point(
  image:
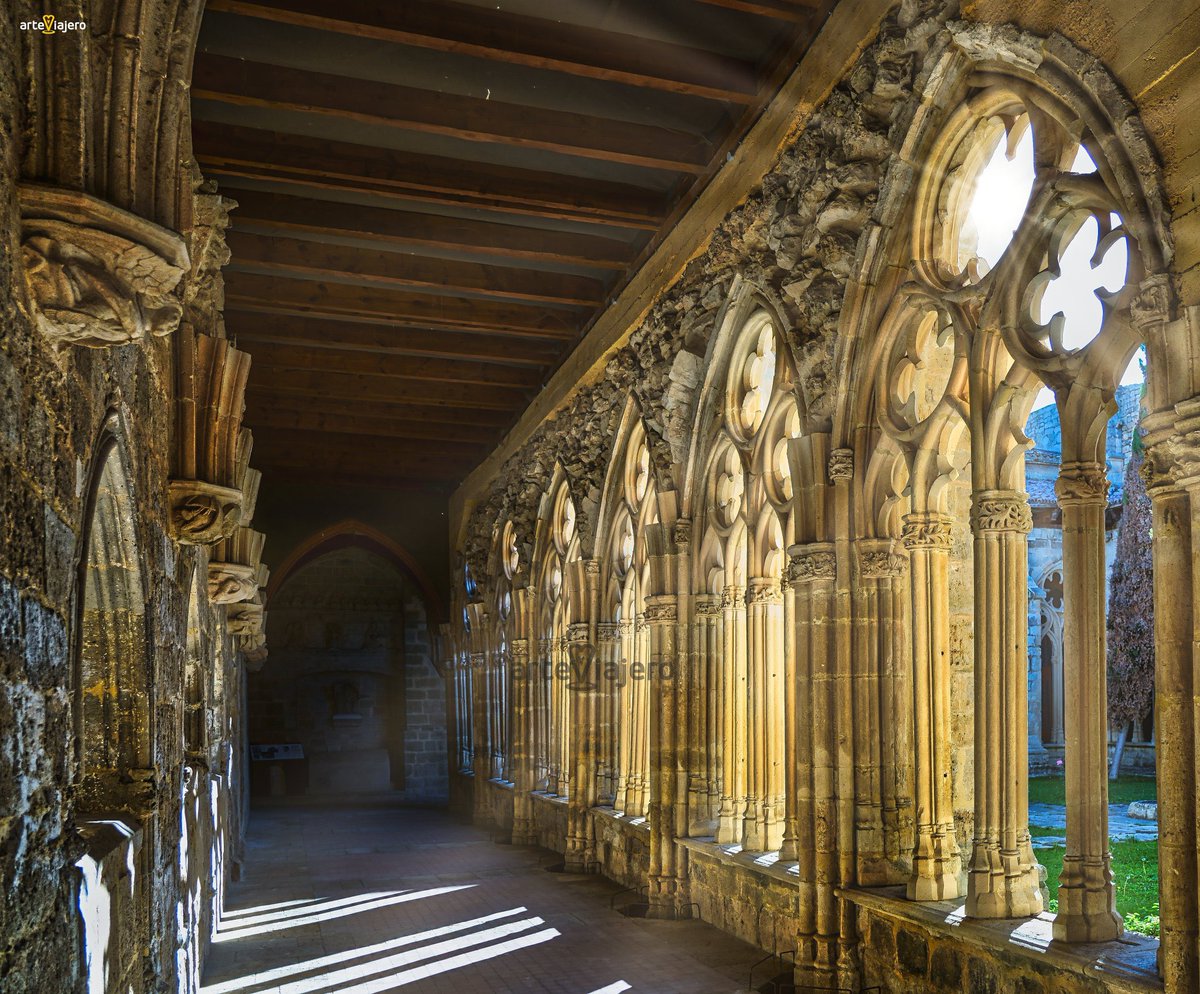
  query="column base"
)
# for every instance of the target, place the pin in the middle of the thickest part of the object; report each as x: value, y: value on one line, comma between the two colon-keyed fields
x: 937, y: 873
x: 1003, y: 885
x: 1087, y: 906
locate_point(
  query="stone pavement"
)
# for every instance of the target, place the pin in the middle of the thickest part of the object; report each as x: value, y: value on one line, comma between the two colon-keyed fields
x: 363, y: 900
x: 1120, y: 825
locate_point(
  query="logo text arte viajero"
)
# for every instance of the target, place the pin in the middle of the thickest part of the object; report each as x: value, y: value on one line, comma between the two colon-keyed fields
x: 48, y: 24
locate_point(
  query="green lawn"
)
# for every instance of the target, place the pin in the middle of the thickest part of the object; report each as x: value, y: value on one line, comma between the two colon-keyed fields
x: 1135, y: 873
x: 1052, y: 790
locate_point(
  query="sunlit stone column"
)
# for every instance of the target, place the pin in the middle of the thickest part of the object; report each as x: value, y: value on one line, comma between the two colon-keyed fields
x: 582, y: 686
x: 705, y: 710
x: 1174, y: 491
x: 763, y: 824
x: 521, y: 744
x: 1086, y: 902
x: 664, y: 884
x: 884, y: 814
x: 811, y: 574
x: 608, y: 649
x: 1002, y: 879
x: 733, y: 716
x: 936, y: 860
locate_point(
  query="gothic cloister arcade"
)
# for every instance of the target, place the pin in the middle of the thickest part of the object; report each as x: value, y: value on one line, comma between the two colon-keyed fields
x: 635, y: 403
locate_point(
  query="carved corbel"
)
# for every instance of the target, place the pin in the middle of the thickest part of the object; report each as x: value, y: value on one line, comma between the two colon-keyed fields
x: 212, y: 477
x: 233, y: 572
x: 97, y: 275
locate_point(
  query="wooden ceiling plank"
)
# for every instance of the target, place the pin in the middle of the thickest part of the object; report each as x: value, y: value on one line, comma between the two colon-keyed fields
x: 279, y: 88
x: 275, y: 212
x: 368, y: 389
x: 275, y: 357
x: 524, y: 41
x: 798, y: 11
x: 282, y: 295
x: 380, y: 339
x: 302, y: 159
x: 262, y: 398
x: 336, y: 441
x: 305, y: 420
x: 320, y: 260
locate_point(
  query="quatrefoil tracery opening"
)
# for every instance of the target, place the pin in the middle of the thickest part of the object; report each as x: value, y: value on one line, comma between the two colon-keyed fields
x: 752, y: 377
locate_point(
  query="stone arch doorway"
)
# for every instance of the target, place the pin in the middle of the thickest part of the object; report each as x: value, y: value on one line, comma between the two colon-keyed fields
x: 350, y: 680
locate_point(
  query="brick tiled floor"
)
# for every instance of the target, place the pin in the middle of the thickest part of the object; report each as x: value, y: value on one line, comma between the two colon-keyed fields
x: 362, y: 900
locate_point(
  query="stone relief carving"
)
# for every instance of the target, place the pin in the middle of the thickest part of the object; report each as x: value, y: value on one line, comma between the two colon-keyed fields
x: 97, y: 275
x: 229, y: 583
x: 996, y: 511
x: 927, y: 530
x: 203, y: 513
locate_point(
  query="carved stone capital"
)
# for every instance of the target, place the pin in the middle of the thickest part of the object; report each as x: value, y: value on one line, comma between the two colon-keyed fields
x: 811, y: 562
x: 661, y: 610
x: 591, y: 567
x: 1001, y: 511
x: 682, y: 534
x: 707, y: 605
x: 764, y: 590
x: 1151, y: 307
x: 229, y: 583
x: 880, y: 559
x: 578, y: 633
x: 1081, y: 483
x: 733, y: 595
x: 926, y: 530
x: 519, y: 649
x: 608, y: 631
x: 203, y: 513
x: 97, y: 275
x: 841, y: 465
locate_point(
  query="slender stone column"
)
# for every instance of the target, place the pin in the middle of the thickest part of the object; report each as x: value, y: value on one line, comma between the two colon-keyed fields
x: 789, y: 847
x: 1038, y: 757
x: 521, y: 743
x: 936, y: 859
x: 811, y: 573
x: 582, y: 686
x: 608, y: 649
x: 664, y: 884
x: 733, y: 716
x: 1087, y: 909
x: 1176, y: 525
x: 1002, y: 880
x: 704, y: 709
x: 623, y: 717
x: 763, y: 824
x: 883, y: 815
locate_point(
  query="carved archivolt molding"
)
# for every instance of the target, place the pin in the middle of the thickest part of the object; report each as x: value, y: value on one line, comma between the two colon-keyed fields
x: 1001, y: 511
x: 1081, y: 483
x: 926, y: 530
x: 97, y: 275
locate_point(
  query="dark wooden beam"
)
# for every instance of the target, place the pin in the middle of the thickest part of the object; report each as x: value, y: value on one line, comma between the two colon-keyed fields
x: 369, y: 389
x: 290, y: 419
x: 300, y: 162
x: 337, y: 442
x: 306, y: 259
x: 368, y: 458
x: 277, y: 357
x: 780, y: 10
x: 524, y: 41
x: 354, y: 336
x: 303, y: 474
x: 262, y: 399
x: 286, y: 296
x: 386, y: 105
x: 278, y: 213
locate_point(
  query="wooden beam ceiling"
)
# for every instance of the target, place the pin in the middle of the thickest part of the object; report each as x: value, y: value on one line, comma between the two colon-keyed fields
x: 437, y: 199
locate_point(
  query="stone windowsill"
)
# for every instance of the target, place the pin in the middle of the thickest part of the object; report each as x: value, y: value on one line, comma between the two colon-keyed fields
x: 1126, y: 965
x: 639, y: 826
x: 763, y: 864
x: 502, y: 784
x: 541, y: 795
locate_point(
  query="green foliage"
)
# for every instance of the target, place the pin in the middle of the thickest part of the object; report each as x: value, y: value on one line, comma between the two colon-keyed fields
x: 1123, y: 790
x: 1131, y: 607
x: 1135, y: 876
